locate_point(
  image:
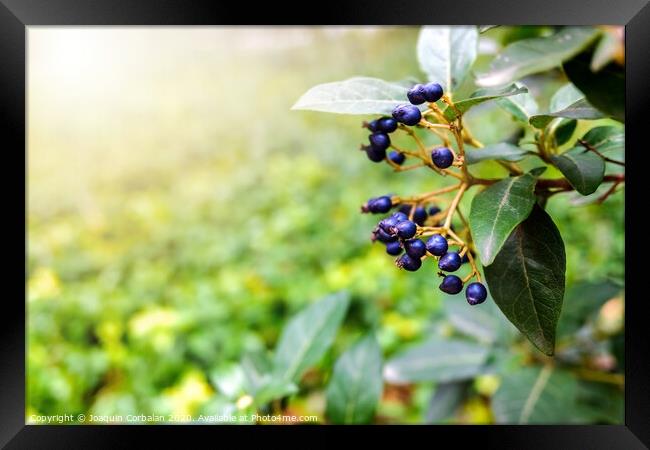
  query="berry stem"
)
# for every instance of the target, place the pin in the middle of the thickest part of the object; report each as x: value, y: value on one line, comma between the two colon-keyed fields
x: 591, y: 148
x: 454, y: 204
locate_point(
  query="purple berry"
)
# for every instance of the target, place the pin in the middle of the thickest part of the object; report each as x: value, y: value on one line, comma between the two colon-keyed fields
x: 379, y: 141
x: 475, y: 293
x: 437, y: 245
x: 442, y: 157
x: 393, y: 248
x: 406, y: 229
x: 407, y: 114
x: 397, y: 157
x: 451, y: 284
x: 387, y: 124
x: 420, y: 215
x: 432, y: 92
x: 416, y: 94
x: 415, y: 248
x: 449, y: 262
x: 408, y: 263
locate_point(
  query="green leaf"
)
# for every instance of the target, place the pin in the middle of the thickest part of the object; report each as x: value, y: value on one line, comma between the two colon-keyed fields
x: 474, y: 322
x: 536, y: 396
x: 565, y: 97
x: 445, y: 401
x: 480, y: 96
x: 521, y: 106
x: 359, y: 95
x: 503, y: 151
x: 272, y: 389
x: 604, y: 89
x: 308, y: 335
x: 529, y: 56
x: 527, y: 279
x: 567, y: 102
x: 582, y: 301
x: 605, y: 139
x: 436, y: 360
x: 497, y: 211
x: 230, y: 380
x: 561, y: 130
x: 446, y: 54
x: 356, y: 384
x: 584, y: 169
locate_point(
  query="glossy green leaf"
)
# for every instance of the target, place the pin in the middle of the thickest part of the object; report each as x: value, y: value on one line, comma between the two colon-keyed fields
x: 308, y: 335
x: 446, y: 53
x: 605, y: 89
x: 521, y: 106
x: 436, y: 360
x: 356, y: 384
x: 605, y: 139
x: 503, y: 151
x: 359, y: 95
x: 564, y: 97
x: 445, y: 400
x: 527, y: 278
x: 536, y: 396
x: 579, y: 109
x: 584, y: 169
x: 497, y: 210
x: 481, y: 96
x: 534, y: 55
x: 561, y: 130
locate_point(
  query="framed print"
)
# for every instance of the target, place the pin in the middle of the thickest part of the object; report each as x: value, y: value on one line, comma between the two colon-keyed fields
x: 381, y: 217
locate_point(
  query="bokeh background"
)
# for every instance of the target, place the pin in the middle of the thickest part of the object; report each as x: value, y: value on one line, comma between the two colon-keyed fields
x: 179, y: 213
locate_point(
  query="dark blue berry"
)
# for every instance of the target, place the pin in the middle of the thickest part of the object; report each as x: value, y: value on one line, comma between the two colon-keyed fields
x: 397, y: 157
x: 380, y: 205
x: 416, y: 95
x: 393, y: 248
x: 449, y: 262
x: 432, y: 92
x: 387, y: 125
x: 388, y: 223
x: 374, y: 154
x: 408, y: 263
x: 415, y: 248
x: 451, y: 284
x: 475, y: 293
x: 434, y: 210
x: 379, y: 141
x: 405, y: 209
x: 407, y: 114
x: 464, y: 259
x: 377, y: 205
x: 373, y: 125
x: 400, y: 216
x: 442, y: 157
x: 437, y: 245
x: 406, y: 229
x: 383, y: 236
x: 420, y: 215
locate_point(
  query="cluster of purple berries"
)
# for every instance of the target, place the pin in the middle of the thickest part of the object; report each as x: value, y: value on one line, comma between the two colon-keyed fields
x: 410, y: 115
x: 398, y: 233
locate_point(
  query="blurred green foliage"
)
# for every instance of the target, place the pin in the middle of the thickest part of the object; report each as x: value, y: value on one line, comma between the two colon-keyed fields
x: 179, y: 216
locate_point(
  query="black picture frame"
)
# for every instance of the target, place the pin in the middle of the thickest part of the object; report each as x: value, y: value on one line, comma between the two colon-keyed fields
x: 16, y: 15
